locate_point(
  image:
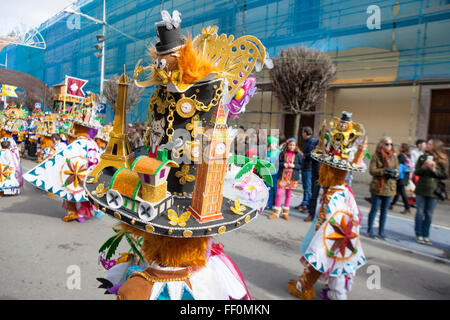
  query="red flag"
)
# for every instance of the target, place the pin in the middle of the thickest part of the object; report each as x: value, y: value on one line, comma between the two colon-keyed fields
x: 74, y: 87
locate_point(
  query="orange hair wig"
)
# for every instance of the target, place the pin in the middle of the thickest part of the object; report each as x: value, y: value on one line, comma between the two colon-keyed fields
x: 329, y: 176
x: 170, y: 251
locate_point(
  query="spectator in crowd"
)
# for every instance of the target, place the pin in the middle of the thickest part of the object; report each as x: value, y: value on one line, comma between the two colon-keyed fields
x: 417, y: 151
x: 273, y: 154
x: 404, y: 167
x: 309, y: 144
x: 251, y: 143
x: 239, y: 143
x: 384, y: 170
x: 290, y: 163
x: 315, y: 189
x: 431, y: 167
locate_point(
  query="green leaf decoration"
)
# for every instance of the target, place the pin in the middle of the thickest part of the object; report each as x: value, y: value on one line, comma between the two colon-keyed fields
x: 131, y: 241
x: 245, y: 169
x: 107, y: 243
x: 266, y: 175
x: 367, y: 154
x: 112, y: 249
x: 238, y: 160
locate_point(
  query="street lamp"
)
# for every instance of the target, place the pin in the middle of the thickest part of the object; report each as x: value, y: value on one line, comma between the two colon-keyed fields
x: 100, y: 38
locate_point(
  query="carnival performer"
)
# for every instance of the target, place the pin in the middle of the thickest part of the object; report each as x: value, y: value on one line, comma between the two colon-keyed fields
x: 56, y: 146
x: 64, y: 168
x: 290, y: 163
x: 10, y: 168
x: 331, y: 250
x: 170, y: 216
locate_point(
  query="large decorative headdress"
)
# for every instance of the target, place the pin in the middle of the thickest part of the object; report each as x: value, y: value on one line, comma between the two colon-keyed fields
x: 343, y: 147
x: 185, y: 187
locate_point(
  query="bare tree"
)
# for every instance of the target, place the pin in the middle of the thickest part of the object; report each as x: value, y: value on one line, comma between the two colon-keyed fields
x: 27, y: 100
x: 110, y: 92
x: 48, y: 99
x: 299, y: 78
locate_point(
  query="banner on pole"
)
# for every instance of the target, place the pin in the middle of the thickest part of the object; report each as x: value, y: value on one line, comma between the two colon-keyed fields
x: 9, y: 91
x: 74, y: 87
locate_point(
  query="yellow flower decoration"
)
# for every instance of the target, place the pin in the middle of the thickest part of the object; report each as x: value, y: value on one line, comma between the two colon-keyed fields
x: 175, y: 220
x: 238, y: 208
x: 184, y: 175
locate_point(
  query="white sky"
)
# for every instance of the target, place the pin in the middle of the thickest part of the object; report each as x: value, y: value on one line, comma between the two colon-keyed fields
x: 31, y: 13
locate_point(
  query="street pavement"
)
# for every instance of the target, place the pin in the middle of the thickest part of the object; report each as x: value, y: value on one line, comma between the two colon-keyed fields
x: 38, y: 252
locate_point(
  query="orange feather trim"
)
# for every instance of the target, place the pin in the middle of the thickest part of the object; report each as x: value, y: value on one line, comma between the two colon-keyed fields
x: 171, y: 252
x: 193, y: 65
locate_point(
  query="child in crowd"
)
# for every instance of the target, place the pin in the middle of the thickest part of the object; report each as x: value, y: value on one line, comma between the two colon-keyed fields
x: 288, y: 177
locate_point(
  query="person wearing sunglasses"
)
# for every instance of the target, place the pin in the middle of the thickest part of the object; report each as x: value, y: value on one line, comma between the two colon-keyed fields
x: 384, y: 170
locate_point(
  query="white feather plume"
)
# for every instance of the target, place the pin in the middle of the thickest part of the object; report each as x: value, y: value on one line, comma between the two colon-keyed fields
x: 167, y: 19
x: 176, y: 18
x: 171, y: 21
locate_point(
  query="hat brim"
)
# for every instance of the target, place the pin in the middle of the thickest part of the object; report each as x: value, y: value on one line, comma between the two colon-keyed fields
x: 170, y: 47
x: 338, y: 164
x: 161, y: 224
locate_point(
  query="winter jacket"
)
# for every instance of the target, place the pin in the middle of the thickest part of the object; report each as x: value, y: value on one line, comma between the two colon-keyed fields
x: 428, y: 179
x: 377, y: 171
x: 297, y: 166
x: 403, y: 160
x: 308, y: 147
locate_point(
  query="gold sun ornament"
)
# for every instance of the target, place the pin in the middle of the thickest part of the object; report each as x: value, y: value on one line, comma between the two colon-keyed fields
x: 76, y: 174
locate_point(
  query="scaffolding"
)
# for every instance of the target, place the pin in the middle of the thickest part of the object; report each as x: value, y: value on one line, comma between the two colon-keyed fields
x: 407, y: 39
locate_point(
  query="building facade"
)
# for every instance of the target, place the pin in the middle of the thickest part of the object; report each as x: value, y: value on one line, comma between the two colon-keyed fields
x: 392, y: 56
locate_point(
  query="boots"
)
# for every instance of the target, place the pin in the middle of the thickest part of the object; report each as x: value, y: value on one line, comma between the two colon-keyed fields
x: 303, y: 287
x: 71, y: 210
x: 285, y: 214
x: 275, y: 214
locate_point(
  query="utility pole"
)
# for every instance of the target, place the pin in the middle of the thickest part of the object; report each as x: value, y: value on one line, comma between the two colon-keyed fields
x: 102, y: 68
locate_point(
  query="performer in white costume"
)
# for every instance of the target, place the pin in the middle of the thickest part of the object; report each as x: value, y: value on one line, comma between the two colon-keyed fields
x: 331, y: 250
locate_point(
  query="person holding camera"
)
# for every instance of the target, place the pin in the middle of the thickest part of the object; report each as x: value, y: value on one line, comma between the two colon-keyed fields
x: 431, y: 167
x: 384, y: 170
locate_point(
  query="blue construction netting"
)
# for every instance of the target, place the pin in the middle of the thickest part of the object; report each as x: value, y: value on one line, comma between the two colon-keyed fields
x: 416, y: 31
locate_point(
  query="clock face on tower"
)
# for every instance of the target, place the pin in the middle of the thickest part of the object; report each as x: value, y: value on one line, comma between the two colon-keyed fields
x: 220, y: 149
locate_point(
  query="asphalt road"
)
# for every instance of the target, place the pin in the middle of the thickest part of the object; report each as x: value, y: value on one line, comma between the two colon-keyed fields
x: 39, y: 253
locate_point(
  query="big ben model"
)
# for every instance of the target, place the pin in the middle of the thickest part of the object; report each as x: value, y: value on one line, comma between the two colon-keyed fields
x: 207, y: 197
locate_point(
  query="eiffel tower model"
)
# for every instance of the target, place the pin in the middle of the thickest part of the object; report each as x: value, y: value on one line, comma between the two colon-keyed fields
x: 118, y: 153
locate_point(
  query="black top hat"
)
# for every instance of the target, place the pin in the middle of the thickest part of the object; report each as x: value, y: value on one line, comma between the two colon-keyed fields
x: 169, y: 33
x: 346, y: 116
